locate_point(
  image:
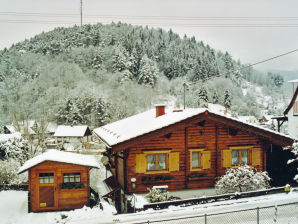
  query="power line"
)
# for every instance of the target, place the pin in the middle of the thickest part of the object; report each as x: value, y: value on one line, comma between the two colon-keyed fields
x: 153, y: 17
x: 246, y: 66
x: 201, y: 25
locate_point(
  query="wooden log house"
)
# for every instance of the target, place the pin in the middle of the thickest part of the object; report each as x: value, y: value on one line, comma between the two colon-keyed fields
x: 58, y: 180
x: 184, y: 149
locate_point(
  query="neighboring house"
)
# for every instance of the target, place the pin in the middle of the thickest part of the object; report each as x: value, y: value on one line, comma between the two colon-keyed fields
x: 9, y: 129
x: 58, y: 180
x: 185, y: 149
x: 73, y: 136
x: 292, y: 113
x: 248, y: 119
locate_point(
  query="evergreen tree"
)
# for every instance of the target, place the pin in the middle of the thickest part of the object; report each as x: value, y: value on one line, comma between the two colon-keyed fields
x: 227, y: 99
x: 215, y: 98
x: 148, y: 72
x: 203, y: 97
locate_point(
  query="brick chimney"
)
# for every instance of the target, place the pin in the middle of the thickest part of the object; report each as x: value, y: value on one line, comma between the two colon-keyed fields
x: 160, y: 110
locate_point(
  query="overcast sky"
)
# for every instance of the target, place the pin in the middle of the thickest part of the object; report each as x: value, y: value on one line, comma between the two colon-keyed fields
x: 251, y: 30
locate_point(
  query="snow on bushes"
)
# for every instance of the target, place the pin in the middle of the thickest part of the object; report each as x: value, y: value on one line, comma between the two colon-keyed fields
x: 14, y: 148
x: 13, y: 153
x: 156, y: 195
x: 241, y: 179
x: 9, y: 172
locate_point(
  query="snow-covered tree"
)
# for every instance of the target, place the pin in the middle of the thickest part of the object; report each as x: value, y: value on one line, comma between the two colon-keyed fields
x: 215, y: 98
x: 227, y: 99
x: 203, y: 97
x: 156, y: 195
x: 121, y: 60
x: 148, y: 72
x: 9, y: 172
x: 242, y: 179
x: 15, y: 148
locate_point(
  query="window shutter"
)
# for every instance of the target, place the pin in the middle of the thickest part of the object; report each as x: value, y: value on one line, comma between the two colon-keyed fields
x: 256, y: 157
x: 206, y: 160
x: 226, y: 158
x: 141, y: 163
x: 174, y: 161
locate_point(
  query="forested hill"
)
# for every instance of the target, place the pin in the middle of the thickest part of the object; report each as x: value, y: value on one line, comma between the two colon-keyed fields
x: 97, y: 73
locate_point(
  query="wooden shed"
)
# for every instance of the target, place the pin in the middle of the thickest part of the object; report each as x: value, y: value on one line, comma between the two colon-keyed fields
x: 58, y: 180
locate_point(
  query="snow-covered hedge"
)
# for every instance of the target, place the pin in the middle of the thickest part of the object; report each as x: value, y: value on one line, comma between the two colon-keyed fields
x: 241, y: 179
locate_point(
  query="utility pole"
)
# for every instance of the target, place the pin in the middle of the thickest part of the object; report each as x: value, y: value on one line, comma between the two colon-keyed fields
x: 184, y: 92
x: 81, y: 12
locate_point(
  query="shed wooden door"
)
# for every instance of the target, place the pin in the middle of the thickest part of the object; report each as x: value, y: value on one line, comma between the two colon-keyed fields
x: 46, y: 184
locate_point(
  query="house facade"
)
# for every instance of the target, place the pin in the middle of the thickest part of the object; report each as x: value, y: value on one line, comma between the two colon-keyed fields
x: 292, y: 115
x: 183, y: 149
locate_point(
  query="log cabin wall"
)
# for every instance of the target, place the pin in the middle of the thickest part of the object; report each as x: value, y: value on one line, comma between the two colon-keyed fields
x: 206, y: 138
x: 64, y: 199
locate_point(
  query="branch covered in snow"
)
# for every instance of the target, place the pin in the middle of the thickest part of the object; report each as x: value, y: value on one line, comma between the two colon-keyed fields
x: 242, y: 179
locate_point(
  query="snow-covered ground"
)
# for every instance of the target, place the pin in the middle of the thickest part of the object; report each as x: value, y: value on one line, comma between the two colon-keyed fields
x: 13, y: 209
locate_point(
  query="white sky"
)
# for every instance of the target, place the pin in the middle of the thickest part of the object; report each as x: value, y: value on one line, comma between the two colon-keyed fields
x: 249, y: 44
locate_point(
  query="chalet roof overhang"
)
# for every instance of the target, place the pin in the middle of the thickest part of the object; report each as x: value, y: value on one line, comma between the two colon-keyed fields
x: 292, y: 102
x: 268, y: 135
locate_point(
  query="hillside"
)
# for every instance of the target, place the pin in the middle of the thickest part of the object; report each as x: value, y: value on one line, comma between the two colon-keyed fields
x: 98, y: 73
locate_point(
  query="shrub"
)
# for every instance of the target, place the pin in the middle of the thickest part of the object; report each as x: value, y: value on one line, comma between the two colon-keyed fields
x: 156, y: 195
x: 241, y: 179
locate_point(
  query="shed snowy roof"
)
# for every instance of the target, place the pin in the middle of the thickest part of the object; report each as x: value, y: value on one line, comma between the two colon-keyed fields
x: 72, y: 131
x: 61, y: 157
x: 146, y: 122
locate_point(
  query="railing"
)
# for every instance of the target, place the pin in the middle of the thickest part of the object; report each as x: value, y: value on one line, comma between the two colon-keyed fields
x: 202, y: 200
x: 281, y: 214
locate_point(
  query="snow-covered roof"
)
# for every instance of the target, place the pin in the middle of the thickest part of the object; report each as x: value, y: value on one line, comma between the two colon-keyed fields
x: 6, y: 137
x: 146, y: 122
x: 10, y: 128
x: 247, y: 118
x: 72, y: 131
x: 295, y: 80
x: 62, y: 157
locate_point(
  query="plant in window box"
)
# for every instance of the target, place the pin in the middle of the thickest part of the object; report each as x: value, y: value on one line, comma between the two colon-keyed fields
x: 71, y: 186
x: 156, y: 178
x: 194, y: 175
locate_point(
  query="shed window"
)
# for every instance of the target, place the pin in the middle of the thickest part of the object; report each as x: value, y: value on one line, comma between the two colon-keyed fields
x: 46, y: 178
x: 71, y: 178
